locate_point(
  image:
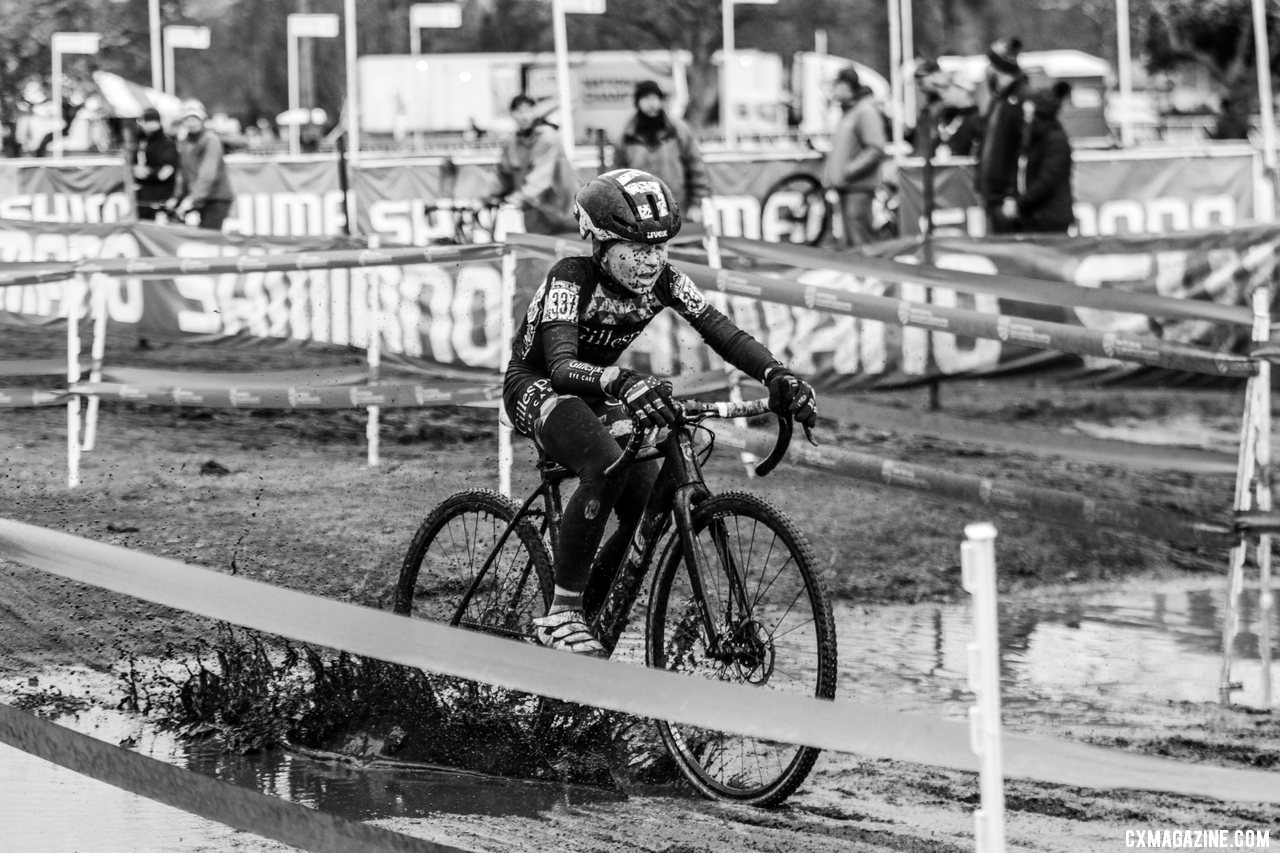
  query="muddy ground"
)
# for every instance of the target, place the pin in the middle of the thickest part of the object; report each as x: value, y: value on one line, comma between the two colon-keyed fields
x: 288, y: 499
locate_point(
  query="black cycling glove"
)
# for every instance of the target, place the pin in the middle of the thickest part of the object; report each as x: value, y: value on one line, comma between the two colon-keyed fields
x: 647, y: 399
x: 791, y: 395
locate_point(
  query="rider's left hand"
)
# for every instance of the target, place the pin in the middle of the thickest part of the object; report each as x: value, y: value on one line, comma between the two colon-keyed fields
x: 791, y: 395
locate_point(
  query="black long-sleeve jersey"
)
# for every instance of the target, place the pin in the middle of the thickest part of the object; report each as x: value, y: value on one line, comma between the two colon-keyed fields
x: 578, y: 325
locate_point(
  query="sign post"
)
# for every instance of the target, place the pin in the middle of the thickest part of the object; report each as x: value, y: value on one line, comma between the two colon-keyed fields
x: 86, y: 43
x: 428, y: 16
x: 175, y: 36
x: 728, y: 62
x: 559, y: 8
x: 304, y: 25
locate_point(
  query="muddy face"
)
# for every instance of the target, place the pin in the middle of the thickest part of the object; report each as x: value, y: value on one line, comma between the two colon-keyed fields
x: 636, y: 266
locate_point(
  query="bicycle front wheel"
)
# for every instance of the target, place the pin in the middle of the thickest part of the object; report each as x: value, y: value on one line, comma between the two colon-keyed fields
x: 455, y: 573
x: 770, y: 626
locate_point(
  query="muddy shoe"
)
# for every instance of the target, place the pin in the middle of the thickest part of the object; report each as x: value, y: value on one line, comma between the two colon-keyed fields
x: 568, y: 632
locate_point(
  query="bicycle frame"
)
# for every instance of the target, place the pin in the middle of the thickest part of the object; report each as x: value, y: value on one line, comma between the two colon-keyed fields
x: 677, y: 491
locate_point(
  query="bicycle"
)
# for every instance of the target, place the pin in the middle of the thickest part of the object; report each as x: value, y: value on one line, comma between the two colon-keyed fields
x: 807, y: 212
x: 736, y: 595
x: 473, y: 220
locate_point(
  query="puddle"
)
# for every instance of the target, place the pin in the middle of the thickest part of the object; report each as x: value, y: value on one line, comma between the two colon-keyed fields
x: 1114, y: 659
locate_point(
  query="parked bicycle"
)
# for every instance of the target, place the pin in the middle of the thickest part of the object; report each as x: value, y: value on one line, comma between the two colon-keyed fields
x: 472, y: 220
x: 806, y: 211
x: 736, y: 595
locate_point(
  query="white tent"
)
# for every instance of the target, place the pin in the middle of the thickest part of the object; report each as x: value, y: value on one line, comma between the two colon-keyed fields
x: 127, y: 99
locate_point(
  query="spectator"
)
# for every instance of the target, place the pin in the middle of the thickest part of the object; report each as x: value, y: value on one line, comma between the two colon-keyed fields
x: 155, y: 166
x: 203, y: 186
x: 852, y: 167
x: 997, y: 176
x: 960, y: 122
x: 1232, y: 123
x: 534, y: 172
x: 663, y: 145
x: 931, y: 80
x: 1045, y: 206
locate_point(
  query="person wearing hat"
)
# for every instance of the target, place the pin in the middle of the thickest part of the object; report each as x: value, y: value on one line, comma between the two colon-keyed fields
x: 203, y: 186
x: 155, y: 166
x: 664, y: 145
x: 534, y: 172
x: 1045, y: 205
x: 852, y: 166
x: 997, y: 176
x: 960, y: 122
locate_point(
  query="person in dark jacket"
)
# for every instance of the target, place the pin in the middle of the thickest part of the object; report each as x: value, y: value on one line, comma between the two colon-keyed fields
x: 203, y: 185
x: 997, y: 176
x: 155, y: 166
x: 663, y: 145
x: 1044, y: 206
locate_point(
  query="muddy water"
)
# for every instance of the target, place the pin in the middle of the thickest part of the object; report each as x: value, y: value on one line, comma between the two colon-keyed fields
x: 1113, y: 659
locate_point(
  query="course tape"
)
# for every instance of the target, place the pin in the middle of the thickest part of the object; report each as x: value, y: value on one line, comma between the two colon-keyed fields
x: 239, y: 264
x: 1057, y: 507
x: 39, y: 367
x: 241, y: 808
x: 306, y: 376
x: 1040, y: 441
x: 392, y: 396
x: 25, y: 398
x: 1039, y: 334
x: 862, y: 729
x: 1008, y: 286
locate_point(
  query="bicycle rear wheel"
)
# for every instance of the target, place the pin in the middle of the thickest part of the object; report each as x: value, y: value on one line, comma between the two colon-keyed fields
x: 799, y: 204
x: 773, y: 629
x: 444, y: 576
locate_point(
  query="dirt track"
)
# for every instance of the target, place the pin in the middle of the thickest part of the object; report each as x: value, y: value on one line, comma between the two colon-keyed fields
x: 294, y: 504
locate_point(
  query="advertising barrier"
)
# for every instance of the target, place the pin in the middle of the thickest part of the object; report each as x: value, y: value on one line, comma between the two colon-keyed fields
x: 1139, y: 192
x: 1167, y: 301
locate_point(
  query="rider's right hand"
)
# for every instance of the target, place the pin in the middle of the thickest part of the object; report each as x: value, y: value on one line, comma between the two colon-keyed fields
x: 647, y: 399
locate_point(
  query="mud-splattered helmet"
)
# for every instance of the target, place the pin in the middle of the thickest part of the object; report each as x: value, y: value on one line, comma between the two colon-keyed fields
x: 627, y: 204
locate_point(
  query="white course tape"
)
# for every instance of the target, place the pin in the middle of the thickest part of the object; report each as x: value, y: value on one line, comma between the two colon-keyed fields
x: 860, y: 729
x: 209, y: 798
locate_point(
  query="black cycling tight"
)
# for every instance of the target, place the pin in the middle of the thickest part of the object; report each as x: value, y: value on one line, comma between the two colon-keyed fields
x: 572, y: 435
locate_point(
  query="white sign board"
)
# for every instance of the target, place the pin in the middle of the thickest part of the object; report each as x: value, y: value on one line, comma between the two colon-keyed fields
x: 76, y: 42
x: 427, y: 16
x: 193, y: 38
x: 318, y: 26
x: 583, y: 7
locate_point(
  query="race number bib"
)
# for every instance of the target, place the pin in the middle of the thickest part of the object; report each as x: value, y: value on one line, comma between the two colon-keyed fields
x: 562, y: 303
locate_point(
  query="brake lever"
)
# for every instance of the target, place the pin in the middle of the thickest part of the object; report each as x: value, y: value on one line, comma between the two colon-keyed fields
x: 808, y: 434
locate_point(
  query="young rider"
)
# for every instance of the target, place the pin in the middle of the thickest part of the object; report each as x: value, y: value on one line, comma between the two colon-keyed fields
x: 563, y: 374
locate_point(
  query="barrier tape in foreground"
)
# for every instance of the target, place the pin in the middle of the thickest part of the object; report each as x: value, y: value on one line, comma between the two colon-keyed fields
x: 281, y: 262
x: 1039, y: 334
x: 1058, y: 507
x: 391, y: 396
x: 226, y: 803
x: 861, y: 729
x: 1008, y: 286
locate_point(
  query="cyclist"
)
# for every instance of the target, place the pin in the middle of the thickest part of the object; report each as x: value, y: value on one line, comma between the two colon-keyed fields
x: 563, y: 374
